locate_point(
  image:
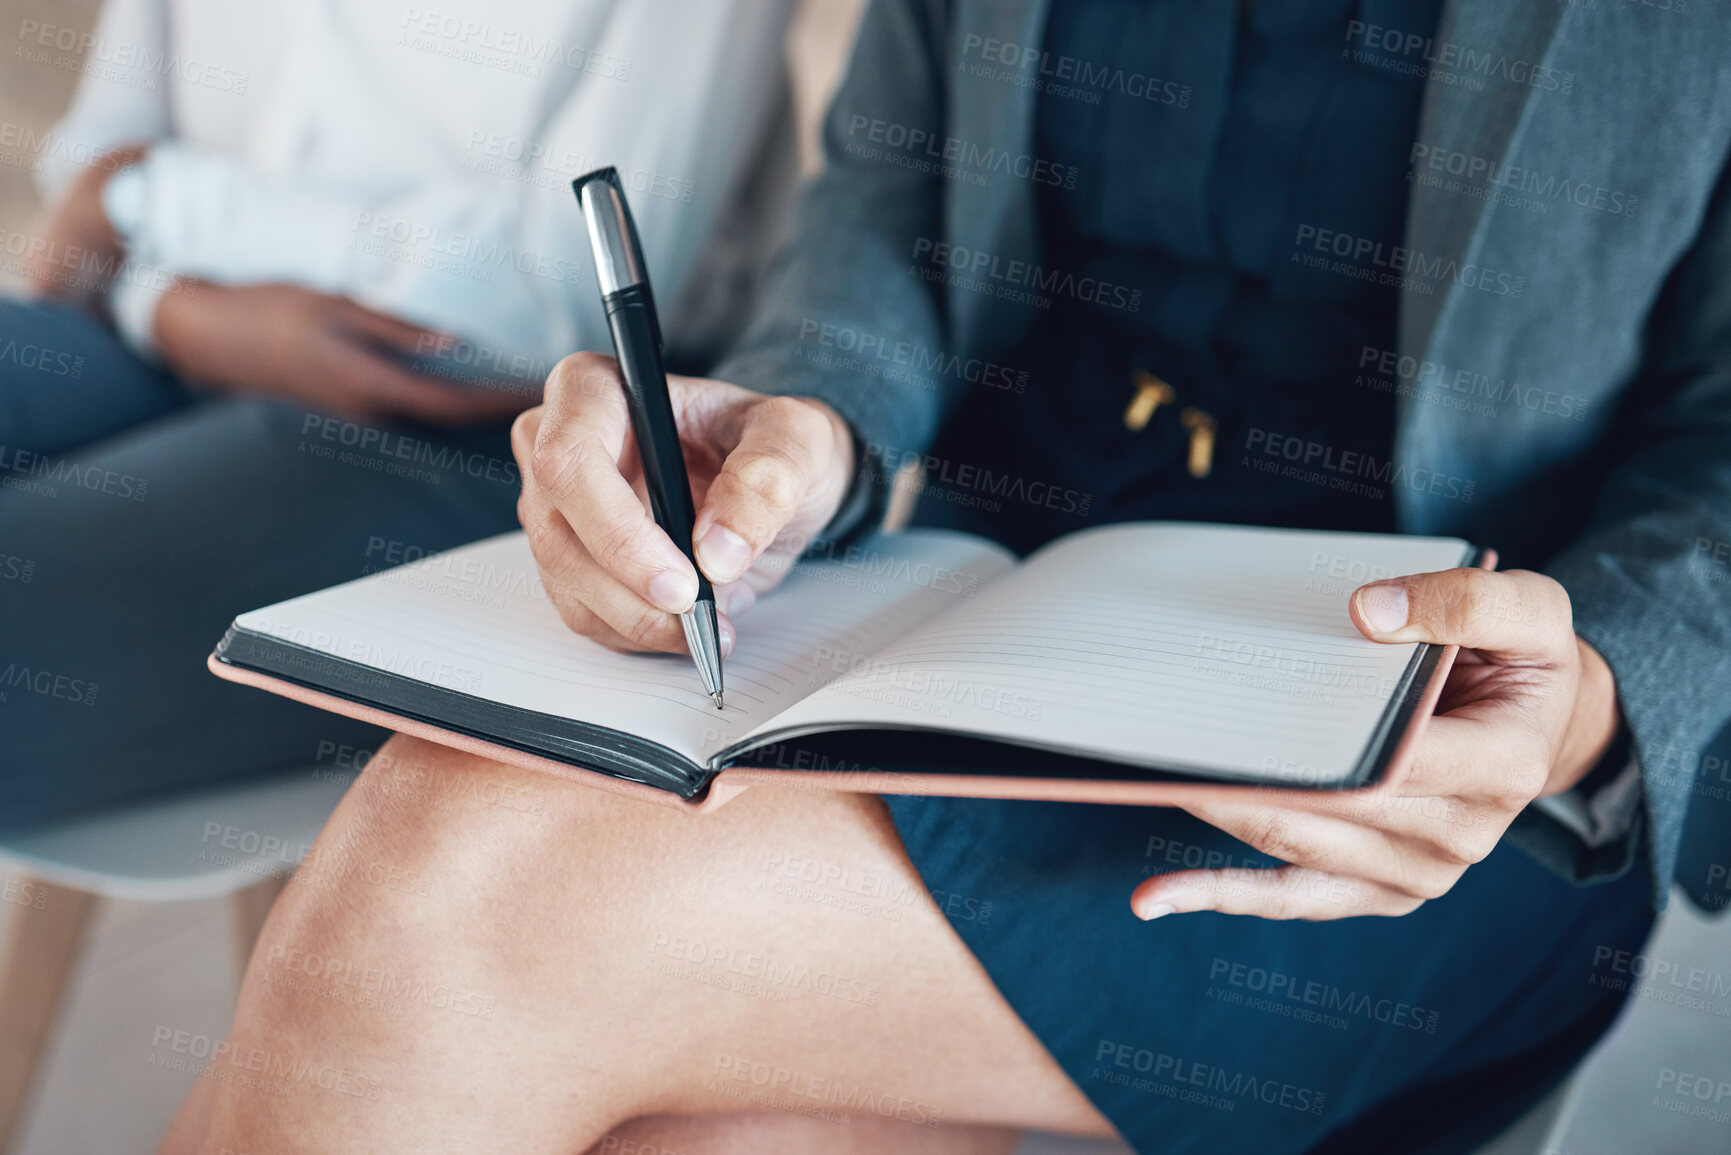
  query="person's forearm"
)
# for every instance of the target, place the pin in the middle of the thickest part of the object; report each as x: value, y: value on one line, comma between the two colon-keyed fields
x: 81, y: 251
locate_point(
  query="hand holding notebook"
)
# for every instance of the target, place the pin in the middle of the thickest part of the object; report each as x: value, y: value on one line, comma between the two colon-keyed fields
x: 1167, y: 664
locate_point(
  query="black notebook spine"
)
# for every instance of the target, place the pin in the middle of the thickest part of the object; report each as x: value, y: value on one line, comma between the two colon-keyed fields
x: 613, y: 752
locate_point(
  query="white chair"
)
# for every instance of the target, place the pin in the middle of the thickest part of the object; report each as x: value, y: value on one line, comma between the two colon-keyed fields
x: 239, y: 840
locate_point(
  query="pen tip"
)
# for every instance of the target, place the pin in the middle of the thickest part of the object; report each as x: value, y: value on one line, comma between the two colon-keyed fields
x: 717, y: 697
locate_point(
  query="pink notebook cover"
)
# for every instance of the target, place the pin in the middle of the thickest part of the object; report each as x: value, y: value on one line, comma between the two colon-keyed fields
x: 729, y: 783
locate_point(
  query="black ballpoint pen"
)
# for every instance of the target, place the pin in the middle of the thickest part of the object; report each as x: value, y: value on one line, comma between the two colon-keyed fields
x: 625, y: 294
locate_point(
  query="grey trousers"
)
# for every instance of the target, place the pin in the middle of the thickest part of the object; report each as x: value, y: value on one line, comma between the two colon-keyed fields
x: 138, y: 518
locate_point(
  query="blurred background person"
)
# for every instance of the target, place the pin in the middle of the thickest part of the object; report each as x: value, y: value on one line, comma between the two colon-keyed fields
x: 299, y: 264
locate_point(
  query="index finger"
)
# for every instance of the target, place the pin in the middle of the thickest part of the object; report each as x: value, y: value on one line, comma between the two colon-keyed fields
x: 574, y: 458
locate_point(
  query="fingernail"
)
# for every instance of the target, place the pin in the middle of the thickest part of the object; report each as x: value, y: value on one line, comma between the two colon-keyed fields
x: 1383, y: 607
x: 1158, y: 910
x: 722, y: 553
x: 725, y: 629
x: 673, y: 590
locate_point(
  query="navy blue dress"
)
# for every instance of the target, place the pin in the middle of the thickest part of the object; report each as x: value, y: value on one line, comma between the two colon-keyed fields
x: 1217, y: 201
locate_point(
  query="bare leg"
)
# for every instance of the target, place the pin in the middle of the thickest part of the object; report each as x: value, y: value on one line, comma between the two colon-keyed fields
x: 477, y: 958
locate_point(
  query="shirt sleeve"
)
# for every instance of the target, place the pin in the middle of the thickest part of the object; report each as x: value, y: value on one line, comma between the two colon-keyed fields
x: 1599, y: 816
x: 105, y: 115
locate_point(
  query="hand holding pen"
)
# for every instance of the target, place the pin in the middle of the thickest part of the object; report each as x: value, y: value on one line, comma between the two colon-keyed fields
x: 765, y: 474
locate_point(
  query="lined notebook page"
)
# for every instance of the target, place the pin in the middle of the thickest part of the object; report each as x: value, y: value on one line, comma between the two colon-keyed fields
x: 1219, y: 649
x: 477, y: 620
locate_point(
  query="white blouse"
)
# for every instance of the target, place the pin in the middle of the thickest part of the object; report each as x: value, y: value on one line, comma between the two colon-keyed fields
x: 418, y: 157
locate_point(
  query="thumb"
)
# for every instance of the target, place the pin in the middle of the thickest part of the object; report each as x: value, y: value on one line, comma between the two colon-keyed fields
x: 1512, y: 613
x: 786, y: 452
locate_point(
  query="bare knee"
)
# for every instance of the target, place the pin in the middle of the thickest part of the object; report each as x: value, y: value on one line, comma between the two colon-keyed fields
x: 524, y: 898
x: 460, y: 920
x: 435, y: 854
x: 447, y: 933
x: 514, y: 907
x: 433, y: 841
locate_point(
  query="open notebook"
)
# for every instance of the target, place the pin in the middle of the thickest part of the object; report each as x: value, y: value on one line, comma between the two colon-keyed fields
x: 1123, y: 657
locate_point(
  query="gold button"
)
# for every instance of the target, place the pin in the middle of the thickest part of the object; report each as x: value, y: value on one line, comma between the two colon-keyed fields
x: 1151, y: 393
x: 1202, y: 429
